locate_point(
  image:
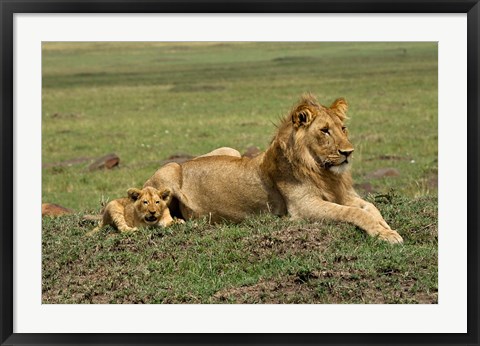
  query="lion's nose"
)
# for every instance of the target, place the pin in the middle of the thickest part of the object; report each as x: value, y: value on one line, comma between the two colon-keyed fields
x: 345, y: 152
x: 152, y: 212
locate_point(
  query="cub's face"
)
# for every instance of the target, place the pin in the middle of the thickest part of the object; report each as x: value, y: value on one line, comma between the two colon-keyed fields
x: 322, y: 131
x: 149, y: 204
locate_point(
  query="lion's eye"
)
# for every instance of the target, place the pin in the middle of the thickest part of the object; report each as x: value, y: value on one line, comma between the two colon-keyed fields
x: 157, y: 202
x: 325, y: 130
x: 145, y: 202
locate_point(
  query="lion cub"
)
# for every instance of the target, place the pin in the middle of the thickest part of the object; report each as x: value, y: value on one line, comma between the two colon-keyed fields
x: 146, y: 207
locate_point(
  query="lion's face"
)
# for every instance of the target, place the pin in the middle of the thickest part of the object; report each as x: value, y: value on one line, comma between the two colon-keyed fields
x: 149, y: 203
x: 321, y: 135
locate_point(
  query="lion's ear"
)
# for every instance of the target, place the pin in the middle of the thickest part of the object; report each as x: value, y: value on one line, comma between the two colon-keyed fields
x: 134, y: 194
x: 340, y: 107
x: 165, y: 194
x: 302, y: 117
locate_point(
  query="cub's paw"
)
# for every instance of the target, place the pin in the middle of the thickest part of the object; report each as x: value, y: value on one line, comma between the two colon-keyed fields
x: 174, y: 221
x: 390, y: 236
x: 178, y: 221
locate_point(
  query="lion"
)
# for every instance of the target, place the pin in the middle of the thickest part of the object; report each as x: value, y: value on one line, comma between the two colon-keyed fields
x: 303, y: 174
x: 142, y: 208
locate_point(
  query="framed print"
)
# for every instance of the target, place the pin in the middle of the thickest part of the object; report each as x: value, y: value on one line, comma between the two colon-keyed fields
x: 239, y: 172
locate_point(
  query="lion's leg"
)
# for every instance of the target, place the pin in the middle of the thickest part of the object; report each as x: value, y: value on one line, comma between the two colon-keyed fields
x: 166, y: 219
x: 317, y: 209
x: 368, y: 207
x: 115, y: 214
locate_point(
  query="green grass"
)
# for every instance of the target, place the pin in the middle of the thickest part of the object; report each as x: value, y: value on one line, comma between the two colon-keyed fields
x: 147, y: 101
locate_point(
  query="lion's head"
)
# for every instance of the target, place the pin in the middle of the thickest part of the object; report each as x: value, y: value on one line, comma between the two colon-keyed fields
x: 319, y: 137
x: 149, y: 204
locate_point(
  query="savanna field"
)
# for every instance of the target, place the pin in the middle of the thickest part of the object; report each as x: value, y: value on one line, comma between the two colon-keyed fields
x: 147, y: 102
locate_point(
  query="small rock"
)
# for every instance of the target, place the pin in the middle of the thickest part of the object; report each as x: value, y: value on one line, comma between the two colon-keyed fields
x: 383, y: 172
x: 50, y: 209
x: 105, y: 162
x: 67, y: 163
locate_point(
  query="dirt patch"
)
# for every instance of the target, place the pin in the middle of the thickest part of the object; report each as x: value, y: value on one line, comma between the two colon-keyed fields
x: 276, y: 291
x: 327, y: 287
x: 67, y: 163
x: 289, y: 240
x: 365, y: 187
x: 383, y: 172
x: 105, y: 162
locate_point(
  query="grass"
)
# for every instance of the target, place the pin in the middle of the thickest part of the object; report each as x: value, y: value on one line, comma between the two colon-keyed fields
x: 147, y: 101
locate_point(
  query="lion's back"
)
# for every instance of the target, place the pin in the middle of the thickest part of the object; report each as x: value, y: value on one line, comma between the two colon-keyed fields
x: 224, y: 187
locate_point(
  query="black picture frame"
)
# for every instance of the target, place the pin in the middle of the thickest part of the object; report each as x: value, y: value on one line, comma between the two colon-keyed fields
x: 10, y: 7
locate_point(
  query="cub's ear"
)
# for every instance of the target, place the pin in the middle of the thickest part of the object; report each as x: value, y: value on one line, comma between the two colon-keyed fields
x: 134, y: 194
x: 165, y: 194
x: 302, y: 117
x: 340, y: 107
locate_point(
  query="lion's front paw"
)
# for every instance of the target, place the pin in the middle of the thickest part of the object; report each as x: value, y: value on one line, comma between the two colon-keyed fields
x: 390, y: 236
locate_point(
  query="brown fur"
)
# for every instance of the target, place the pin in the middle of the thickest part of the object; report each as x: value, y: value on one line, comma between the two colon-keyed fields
x: 142, y: 208
x: 304, y: 173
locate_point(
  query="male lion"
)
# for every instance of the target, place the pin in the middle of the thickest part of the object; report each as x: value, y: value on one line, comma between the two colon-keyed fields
x: 146, y: 207
x: 303, y: 173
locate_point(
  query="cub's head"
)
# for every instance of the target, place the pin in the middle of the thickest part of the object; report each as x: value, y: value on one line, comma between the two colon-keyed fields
x: 149, y: 203
x: 320, y: 136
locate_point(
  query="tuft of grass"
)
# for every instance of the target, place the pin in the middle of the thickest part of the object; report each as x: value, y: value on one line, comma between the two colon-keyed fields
x: 148, y: 101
